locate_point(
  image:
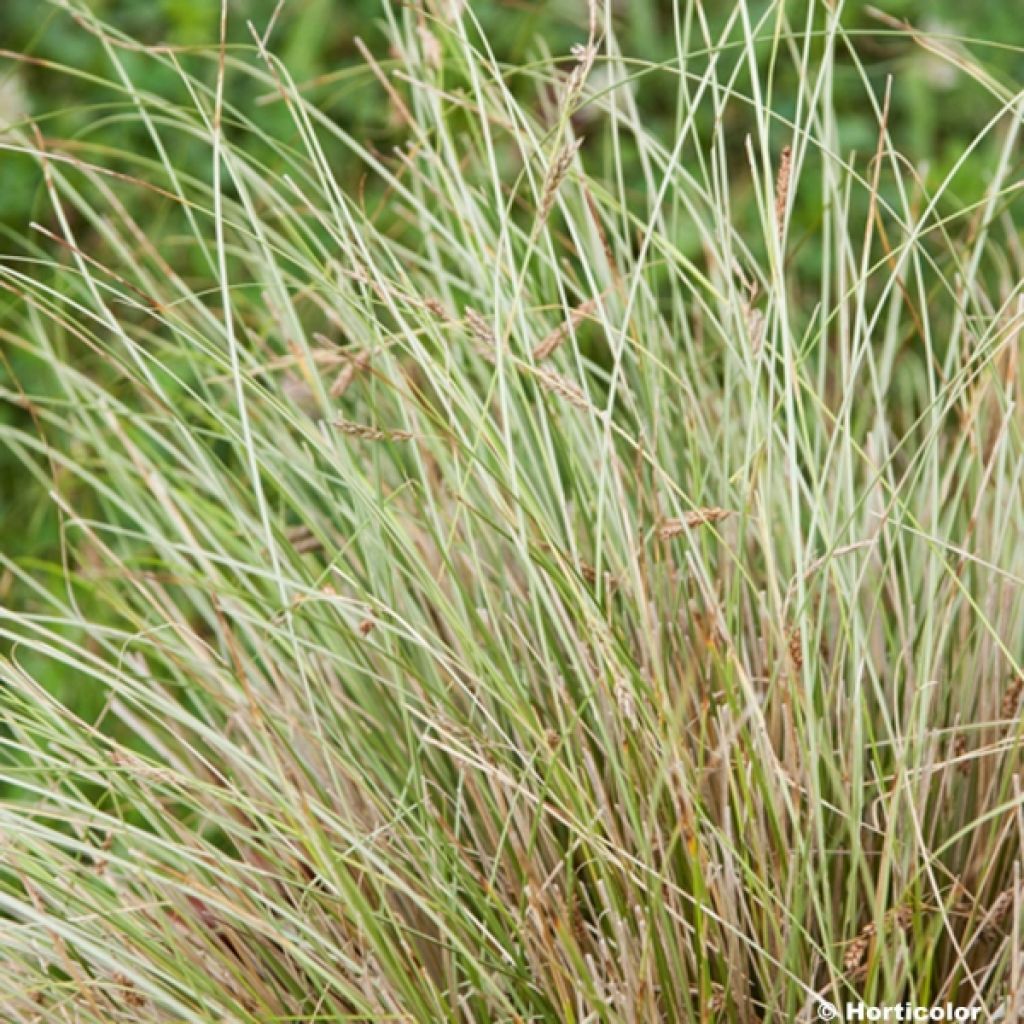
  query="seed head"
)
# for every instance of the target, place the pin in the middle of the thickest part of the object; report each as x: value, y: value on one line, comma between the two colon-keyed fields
x: 856, y: 953
x: 755, y: 323
x: 348, y: 374
x: 562, y: 331
x: 371, y: 433
x: 795, y: 646
x: 556, y: 175
x: 482, y: 332
x: 782, y: 185
x: 625, y: 700
x: 437, y: 308
x: 900, y: 917
x: 1011, y: 699
x: 997, y: 914
x: 669, y: 528
x: 132, y: 996
x: 564, y: 388
x: 959, y: 753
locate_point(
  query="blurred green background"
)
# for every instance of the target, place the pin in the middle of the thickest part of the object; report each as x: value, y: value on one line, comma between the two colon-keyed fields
x: 935, y: 111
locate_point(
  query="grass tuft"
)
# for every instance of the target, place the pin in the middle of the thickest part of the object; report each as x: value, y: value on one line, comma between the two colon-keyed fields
x: 660, y: 658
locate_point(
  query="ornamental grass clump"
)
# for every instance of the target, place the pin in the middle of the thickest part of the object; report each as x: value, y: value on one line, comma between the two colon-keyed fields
x: 378, y: 672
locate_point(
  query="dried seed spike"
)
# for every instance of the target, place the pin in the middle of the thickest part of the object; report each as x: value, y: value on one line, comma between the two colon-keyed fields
x: 853, y: 960
x: 900, y: 917
x: 1002, y: 905
x: 795, y: 648
x: 437, y: 308
x: 958, y: 753
x: 755, y: 324
x: 559, y: 385
x: 555, y: 176
x: 480, y: 328
x: 574, y: 86
x: 371, y: 433
x: 1011, y: 699
x: 348, y: 374
x: 131, y: 995
x: 625, y: 700
x: 782, y: 181
x: 562, y: 331
x: 718, y: 1001
x: 669, y: 528
x: 701, y: 516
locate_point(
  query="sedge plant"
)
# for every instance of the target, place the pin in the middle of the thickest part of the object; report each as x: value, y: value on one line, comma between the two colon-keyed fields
x: 560, y: 565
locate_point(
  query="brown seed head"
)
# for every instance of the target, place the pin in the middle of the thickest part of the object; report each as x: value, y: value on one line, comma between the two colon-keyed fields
x: 348, y: 374
x: 856, y: 952
x: 997, y: 914
x: 901, y: 917
x: 669, y: 528
x: 782, y: 181
x: 959, y: 752
x: 562, y: 331
x: 625, y: 700
x: 564, y: 388
x: 437, y: 309
x: 1011, y: 699
x: 366, y: 433
x: 480, y: 327
x: 556, y: 175
x: 755, y: 324
x: 795, y: 647
x: 131, y: 995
